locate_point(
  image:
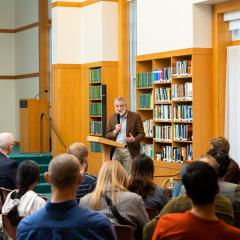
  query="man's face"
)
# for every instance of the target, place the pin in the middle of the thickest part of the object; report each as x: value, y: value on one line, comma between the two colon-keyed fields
x: 120, y: 108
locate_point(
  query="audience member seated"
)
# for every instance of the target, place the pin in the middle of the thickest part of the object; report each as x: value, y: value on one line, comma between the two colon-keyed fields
x: 8, y: 167
x: 23, y: 201
x: 222, y: 205
x: 62, y: 218
x: 80, y: 151
x: 201, y: 184
x: 227, y: 189
x: 141, y: 182
x: 112, y: 184
x: 233, y: 172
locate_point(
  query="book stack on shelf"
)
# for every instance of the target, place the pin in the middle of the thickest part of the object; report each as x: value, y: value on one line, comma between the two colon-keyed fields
x: 164, y: 100
x: 95, y: 107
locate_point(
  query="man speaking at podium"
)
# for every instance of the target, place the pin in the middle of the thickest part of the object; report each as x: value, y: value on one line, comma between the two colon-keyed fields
x: 125, y: 127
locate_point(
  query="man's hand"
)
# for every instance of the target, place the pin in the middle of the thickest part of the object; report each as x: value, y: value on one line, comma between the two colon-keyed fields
x: 117, y: 129
x: 130, y: 139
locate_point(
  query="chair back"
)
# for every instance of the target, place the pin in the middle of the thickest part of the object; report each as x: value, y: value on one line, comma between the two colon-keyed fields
x: 3, y: 193
x: 8, y: 227
x: 237, y: 219
x: 152, y: 212
x: 124, y: 232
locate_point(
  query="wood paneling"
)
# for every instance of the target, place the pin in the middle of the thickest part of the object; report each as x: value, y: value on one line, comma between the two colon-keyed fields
x: 30, y: 126
x: 123, y: 46
x: 78, y: 4
x: 221, y: 39
x: 66, y: 107
x: 43, y: 49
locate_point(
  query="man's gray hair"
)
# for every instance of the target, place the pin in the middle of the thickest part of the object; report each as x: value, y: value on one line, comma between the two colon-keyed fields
x: 6, y: 139
x: 119, y: 99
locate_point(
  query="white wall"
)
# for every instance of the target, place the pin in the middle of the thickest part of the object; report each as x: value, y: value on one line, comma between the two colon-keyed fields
x: 202, y: 26
x: 7, y: 106
x: 7, y: 54
x: 26, y: 12
x: 18, y: 55
x: 87, y: 34
x: 26, y: 55
x: 171, y: 26
x: 66, y: 35
x: 7, y: 14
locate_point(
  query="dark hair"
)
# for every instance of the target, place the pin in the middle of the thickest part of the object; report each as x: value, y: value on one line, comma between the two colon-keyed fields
x: 201, y: 182
x: 27, y: 174
x: 222, y: 159
x: 141, y: 180
x: 220, y: 142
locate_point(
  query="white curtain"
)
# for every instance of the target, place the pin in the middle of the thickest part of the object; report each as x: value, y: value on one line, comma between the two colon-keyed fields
x: 232, y: 113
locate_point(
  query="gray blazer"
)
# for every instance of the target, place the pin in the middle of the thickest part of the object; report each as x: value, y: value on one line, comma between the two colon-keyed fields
x: 130, y: 205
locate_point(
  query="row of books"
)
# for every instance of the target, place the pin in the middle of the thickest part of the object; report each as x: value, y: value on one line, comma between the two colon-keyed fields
x: 95, y: 109
x: 162, y: 75
x: 94, y: 75
x: 182, y: 153
x: 162, y: 94
x: 183, y: 132
x: 148, y: 127
x: 145, y: 100
x: 95, y: 92
x: 162, y: 112
x: 182, y: 91
x: 182, y: 113
x: 175, y: 154
x: 144, y: 79
x: 163, y: 133
x: 95, y: 147
x: 182, y: 68
x: 148, y: 150
x: 95, y: 127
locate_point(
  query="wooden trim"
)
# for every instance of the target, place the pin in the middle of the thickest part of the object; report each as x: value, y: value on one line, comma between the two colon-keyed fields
x: 234, y: 43
x: 20, y: 29
x: 181, y: 52
x: 20, y: 76
x: 78, y: 4
x: 43, y: 49
x: 221, y: 39
x: 89, y: 2
x: 7, y: 30
x: 65, y: 66
x: 85, y: 65
x: 28, y: 75
x: 100, y: 63
x: 123, y: 50
x: 29, y: 26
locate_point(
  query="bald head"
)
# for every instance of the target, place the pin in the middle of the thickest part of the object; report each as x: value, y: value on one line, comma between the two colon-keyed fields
x: 80, y: 151
x: 64, y: 171
x: 211, y: 161
x: 6, y: 142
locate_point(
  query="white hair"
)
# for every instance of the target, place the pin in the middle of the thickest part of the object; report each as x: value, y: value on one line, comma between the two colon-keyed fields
x: 120, y: 99
x: 6, y: 139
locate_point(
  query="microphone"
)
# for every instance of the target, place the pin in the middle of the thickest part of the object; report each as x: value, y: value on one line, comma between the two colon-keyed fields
x: 118, y: 118
x: 44, y: 91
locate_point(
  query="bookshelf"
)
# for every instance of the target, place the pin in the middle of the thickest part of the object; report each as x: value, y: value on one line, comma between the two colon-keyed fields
x: 173, y: 92
x: 100, y: 86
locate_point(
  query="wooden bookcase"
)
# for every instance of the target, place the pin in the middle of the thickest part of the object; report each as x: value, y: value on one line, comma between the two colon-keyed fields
x: 100, y: 87
x: 178, y: 113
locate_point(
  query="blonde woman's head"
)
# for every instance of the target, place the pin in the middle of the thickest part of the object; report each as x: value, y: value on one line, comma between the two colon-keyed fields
x: 112, y: 178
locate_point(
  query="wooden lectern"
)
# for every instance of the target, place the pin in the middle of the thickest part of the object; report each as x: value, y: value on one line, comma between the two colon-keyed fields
x: 30, y: 115
x: 106, y: 144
